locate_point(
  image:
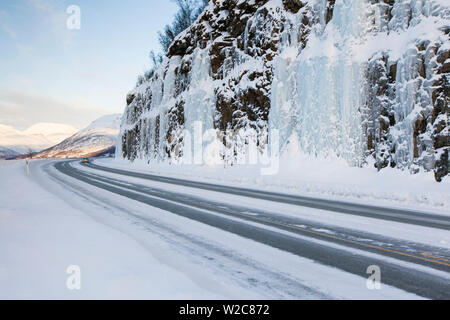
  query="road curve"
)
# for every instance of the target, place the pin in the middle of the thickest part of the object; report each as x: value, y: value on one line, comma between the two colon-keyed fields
x: 376, y: 212
x: 403, y: 276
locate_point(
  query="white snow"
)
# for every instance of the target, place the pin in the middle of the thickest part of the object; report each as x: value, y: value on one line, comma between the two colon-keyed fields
x: 42, y: 235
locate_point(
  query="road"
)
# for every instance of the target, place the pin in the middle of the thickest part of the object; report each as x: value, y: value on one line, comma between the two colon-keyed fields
x: 411, y: 266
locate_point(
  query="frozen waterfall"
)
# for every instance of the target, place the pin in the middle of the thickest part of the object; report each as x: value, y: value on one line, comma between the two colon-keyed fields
x: 317, y: 93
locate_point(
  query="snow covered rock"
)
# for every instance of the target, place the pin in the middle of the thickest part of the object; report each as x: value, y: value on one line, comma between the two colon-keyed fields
x: 363, y: 80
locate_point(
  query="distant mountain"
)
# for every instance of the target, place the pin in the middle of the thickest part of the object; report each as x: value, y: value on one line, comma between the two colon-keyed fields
x: 36, y: 138
x: 53, y: 132
x: 97, y: 139
x: 6, y: 153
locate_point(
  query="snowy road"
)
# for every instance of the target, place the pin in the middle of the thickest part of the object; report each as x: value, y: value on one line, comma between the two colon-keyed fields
x: 418, y: 267
x: 392, y: 214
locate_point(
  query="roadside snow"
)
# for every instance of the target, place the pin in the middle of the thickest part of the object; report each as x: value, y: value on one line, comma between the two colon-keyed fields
x: 41, y: 236
x: 328, y: 179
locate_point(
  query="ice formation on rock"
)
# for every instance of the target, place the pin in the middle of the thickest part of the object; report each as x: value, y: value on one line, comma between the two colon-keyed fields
x: 362, y: 80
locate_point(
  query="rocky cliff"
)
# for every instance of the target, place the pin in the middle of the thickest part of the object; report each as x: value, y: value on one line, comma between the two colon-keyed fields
x: 362, y: 80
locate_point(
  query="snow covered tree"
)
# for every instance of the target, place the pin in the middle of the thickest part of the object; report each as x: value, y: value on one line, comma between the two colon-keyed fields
x: 188, y: 11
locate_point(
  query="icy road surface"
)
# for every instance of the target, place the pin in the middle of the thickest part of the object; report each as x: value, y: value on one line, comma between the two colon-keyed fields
x: 144, y: 236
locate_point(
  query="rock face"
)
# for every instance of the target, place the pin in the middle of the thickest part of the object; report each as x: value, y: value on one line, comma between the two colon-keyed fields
x: 363, y: 80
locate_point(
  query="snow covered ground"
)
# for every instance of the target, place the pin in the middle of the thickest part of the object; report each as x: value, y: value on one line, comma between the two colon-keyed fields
x: 127, y: 249
x: 41, y: 235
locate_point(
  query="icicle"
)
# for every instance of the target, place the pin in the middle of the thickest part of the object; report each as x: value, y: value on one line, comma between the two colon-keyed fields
x: 225, y: 64
x: 321, y: 92
x: 200, y: 102
x: 246, y: 32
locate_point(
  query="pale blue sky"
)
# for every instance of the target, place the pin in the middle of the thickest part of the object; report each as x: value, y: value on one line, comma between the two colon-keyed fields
x: 49, y: 73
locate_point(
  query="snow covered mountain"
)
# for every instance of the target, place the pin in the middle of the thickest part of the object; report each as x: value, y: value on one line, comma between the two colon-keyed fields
x: 6, y: 153
x: 37, y: 137
x: 98, y: 138
x: 366, y: 81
